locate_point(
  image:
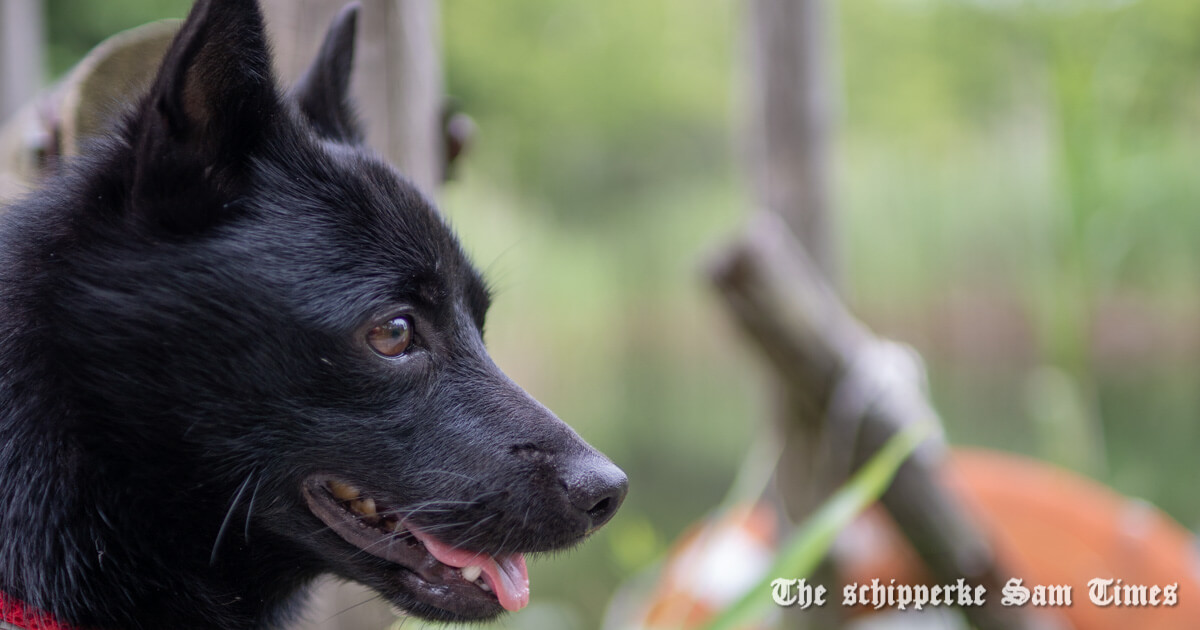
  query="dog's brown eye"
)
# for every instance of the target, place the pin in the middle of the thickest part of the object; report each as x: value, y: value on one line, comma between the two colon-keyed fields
x: 391, y: 338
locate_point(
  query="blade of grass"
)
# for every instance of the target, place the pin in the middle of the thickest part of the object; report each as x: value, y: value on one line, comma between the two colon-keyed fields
x: 799, y: 556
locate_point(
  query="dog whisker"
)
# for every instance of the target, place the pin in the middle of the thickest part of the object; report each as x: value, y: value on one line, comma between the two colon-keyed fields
x: 465, y: 542
x: 250, y: 508
x: 425, y: 473
x: 229, y: 516
x: 347, y: 609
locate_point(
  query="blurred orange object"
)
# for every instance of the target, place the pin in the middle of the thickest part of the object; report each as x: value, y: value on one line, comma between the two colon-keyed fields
x: 1051, y: 527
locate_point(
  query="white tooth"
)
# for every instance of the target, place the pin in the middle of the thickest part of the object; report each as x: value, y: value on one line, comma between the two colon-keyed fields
x: 343, y: 492
x: 483, y: 585
x: 366, y: 507
x: 472, y: 572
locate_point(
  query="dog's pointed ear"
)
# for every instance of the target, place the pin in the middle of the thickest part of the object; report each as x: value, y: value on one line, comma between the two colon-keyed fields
x: 323, y: 92
x: 207, y: 111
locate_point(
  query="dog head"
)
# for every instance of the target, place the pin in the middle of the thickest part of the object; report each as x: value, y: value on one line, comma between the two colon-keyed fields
x: 278, y: 342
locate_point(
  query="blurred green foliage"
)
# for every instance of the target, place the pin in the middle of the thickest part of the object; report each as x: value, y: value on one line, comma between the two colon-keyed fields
x: 1017, y: 196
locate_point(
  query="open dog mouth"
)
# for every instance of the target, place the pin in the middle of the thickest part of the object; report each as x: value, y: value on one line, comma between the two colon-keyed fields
x: 463, y: 582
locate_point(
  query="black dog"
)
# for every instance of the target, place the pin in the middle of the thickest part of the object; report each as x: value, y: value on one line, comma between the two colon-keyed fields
x: 238, y: 351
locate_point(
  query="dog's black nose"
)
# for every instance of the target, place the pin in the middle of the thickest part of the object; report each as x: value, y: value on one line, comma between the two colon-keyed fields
x: 596, y: 487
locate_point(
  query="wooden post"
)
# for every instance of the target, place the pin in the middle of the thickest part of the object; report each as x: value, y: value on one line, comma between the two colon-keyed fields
x: 868, y: 389
x: 841, y: 392
x: 792, y: 116
x: 789, y: 161
x: 21, y: 36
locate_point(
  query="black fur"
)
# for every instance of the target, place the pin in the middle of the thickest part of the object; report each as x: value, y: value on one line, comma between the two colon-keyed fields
x: 182, y: 345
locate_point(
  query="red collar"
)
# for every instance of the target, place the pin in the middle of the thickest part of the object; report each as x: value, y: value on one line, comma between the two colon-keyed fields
x: 18, y: 614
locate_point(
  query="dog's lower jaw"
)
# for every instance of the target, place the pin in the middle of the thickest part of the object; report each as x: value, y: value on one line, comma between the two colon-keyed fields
x: 412, y: 568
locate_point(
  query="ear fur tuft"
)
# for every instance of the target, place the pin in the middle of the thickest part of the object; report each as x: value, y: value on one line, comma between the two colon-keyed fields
x: 206, y: 112
x: 323, y: 92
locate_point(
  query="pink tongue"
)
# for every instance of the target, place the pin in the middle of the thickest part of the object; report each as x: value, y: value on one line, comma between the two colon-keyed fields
x: 507, y: 576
